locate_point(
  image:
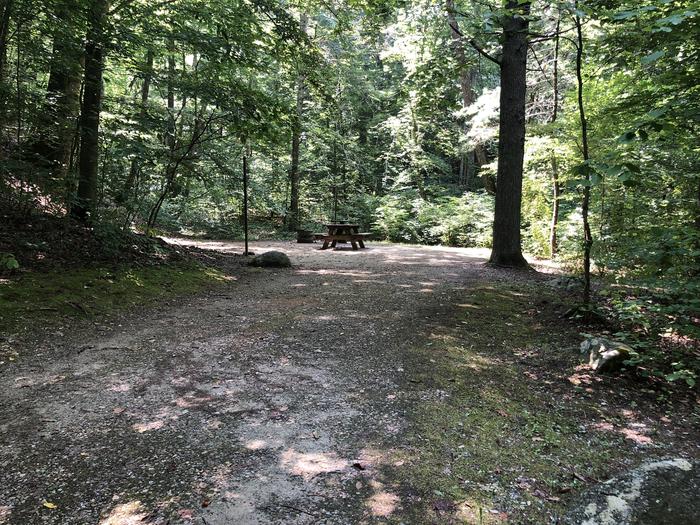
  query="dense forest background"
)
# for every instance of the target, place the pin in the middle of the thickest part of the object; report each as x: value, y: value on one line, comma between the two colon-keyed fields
x: 139, y: 116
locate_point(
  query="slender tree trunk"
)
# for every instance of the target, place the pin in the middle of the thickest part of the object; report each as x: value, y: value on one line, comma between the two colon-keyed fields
x: 5, y: 14
x: 587, y: 237
x: 53, y: 146
x: 292, y: 218
x: 556, y: 189
x: 145, y: 90
x: 85, y: 205
x: 170, y: 134
x: 556, y: 192
x: 470, y: 159
x: 507, y: 249
x: 170, y: 139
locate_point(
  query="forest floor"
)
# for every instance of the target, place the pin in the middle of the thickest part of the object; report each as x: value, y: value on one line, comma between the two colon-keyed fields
x: 396, y: 384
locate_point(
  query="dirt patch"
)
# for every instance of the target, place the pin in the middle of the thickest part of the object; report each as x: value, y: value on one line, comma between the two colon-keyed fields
x: 394, y: 384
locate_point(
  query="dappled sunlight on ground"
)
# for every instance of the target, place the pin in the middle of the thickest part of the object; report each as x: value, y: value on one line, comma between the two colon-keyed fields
x: 255, y: 444
x: 191, y: 400
x: 394, y: 384
x: 629, y: 426
x: 404, y: 255
x: 584, y: 377
x: 309, y: 465
x: 147, y: 427
x: 131, y: 513
x: 383, y: 504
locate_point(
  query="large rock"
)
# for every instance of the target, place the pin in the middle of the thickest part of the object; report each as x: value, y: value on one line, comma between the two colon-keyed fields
x: 658, y: 492
x: 605, y: 355
x: 271, y: 260
x: 570, y: 283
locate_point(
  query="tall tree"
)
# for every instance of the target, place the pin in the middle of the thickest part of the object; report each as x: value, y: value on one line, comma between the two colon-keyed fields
x: 85, y: 204
x: 507, y: 250
x: 5, y: 12
x: 587, y: 236
x: 292, y: 218
x: 556, y: 188
x: 58, y: 130
x: 467, y: 161
x: 147, y: 76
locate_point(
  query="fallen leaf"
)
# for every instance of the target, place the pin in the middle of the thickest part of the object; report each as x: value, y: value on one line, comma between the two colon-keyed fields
x: 49, y: 505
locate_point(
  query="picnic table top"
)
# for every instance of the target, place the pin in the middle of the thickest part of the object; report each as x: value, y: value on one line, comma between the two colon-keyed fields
x: 342, y: 225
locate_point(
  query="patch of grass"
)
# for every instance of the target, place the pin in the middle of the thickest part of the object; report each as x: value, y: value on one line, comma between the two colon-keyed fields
x: 39, y: 298
x: 500, y: 437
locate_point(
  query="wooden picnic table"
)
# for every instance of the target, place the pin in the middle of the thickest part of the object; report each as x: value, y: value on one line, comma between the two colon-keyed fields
x: 342, y: 233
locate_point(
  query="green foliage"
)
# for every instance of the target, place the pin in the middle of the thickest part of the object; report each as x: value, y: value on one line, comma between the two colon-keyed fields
x: 452, y: 221
x: 388, y: 138
x: 8, y: 262
x: 659, y: 316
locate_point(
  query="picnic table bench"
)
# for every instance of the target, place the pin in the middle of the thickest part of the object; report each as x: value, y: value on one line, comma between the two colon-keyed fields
x: 342, y: 233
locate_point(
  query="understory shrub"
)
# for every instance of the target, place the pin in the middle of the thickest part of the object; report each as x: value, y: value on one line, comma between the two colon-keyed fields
x: 463, y: 221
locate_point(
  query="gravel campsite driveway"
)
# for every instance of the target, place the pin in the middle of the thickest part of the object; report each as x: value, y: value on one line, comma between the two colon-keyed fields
x: 299, y: 396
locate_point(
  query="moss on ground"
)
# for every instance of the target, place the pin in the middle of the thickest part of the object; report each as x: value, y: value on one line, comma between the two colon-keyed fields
x: 39, y: 298
x: 504, y: 440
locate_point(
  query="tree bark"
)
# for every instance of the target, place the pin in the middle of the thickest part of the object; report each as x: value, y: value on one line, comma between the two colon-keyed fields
x: 53, y: 147
x: 292, y: 218
x: 556, y: 192
x: 5, y: 13
x: 85, y: 205
x: 587, y: 236
x: 556, y: 189
x: 472, y: 158
x: 145, y: 90
x: 507, y: 249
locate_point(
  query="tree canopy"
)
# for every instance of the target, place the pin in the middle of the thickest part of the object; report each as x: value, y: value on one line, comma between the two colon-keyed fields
x: 575, y: 121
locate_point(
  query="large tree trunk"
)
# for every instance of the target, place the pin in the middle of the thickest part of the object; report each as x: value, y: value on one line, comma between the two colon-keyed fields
x: 85, y: 205
x: 507, y: 249
x: 292, y: 218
